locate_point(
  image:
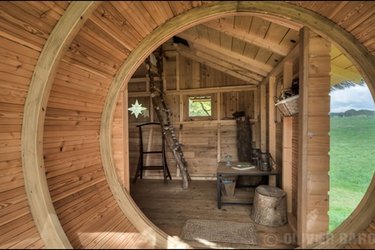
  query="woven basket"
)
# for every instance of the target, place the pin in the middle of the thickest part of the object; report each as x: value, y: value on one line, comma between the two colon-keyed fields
x: 289, y: 106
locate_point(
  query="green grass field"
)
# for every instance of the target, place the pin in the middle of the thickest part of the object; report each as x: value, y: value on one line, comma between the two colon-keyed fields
x: 352, y: 164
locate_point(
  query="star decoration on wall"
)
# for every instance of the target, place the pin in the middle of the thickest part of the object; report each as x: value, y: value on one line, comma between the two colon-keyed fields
x: 136, y: 109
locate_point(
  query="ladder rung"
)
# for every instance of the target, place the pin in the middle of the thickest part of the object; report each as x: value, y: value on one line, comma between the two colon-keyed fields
x: 153, y: 167
x: 152, y: 152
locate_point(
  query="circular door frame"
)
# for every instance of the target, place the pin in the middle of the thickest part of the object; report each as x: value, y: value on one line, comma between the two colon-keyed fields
x: 325, y: 27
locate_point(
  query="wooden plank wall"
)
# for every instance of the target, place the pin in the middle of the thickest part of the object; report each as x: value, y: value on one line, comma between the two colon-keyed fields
x: 24, y: 29
x: 80, y: 194
x: 314, y: 137
x: 295, y: 134
x: 355, y: 17
x: 365, y: 239
x: 84, y: 203
x: 279, y: 143
x: 204, y: 141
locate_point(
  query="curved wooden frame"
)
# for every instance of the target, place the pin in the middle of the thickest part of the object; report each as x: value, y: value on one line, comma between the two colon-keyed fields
x: 36, y: 187
x: 138, y: 55
x: 354, y: 224
x: 319, y: 24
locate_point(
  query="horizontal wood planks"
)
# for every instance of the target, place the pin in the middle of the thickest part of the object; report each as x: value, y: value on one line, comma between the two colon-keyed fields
x: 313, y: 183
x: 85, y: 206
x: 355, y: 17
x: 205, y: 140
x: 24, y: 31
x: 71, y: 147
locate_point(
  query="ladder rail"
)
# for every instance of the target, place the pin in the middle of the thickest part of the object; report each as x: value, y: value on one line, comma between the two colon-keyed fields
x: 163, y: 114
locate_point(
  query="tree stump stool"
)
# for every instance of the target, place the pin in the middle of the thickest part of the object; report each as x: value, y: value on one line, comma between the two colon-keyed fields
x: 269, y: 206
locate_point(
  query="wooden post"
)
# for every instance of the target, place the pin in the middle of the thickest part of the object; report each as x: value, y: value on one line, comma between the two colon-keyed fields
x: 271, y: 123
x: 263, y: 118
x: 271, y: 117
x: 256, y: 132
x: 313, y: 179
x: 287, y: 139
x: 218, y: 118
x: 181, y: 101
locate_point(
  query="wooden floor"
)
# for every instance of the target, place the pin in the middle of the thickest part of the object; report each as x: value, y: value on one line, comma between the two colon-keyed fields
x: 168, y: 206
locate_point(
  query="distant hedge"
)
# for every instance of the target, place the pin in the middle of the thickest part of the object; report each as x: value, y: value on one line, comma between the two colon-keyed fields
x: 353, y: 112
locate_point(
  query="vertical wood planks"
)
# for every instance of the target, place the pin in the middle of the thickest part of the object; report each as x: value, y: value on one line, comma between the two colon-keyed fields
x: 287, y: 139
x: 314, y: 132
x: 216, y: 136
x: 263, y: 118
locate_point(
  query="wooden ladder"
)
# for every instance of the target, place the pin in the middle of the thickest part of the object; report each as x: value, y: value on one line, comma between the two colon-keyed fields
x: 163, y: 114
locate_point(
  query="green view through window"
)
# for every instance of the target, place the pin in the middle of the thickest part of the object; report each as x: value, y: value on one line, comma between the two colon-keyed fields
x: 200, y: 106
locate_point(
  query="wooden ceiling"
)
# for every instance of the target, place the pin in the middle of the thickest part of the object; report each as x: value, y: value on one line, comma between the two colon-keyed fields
x: 249, y: 47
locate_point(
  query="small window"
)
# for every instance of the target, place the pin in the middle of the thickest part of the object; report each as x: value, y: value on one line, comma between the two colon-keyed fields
x: 200, y: 106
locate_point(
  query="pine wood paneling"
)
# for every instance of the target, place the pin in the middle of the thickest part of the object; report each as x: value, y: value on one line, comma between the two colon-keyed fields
x: 73, y: 115
x: 23, y: 34
x: 206, y: 140
x: 83, y: 201
x: 295, y: 133
x: 22, y: 37
x: 228, y: 141
x: 355, y: 17
x: 314, y: 137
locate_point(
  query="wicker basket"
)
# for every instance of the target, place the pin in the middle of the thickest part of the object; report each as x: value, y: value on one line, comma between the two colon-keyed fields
x: 289, y: 106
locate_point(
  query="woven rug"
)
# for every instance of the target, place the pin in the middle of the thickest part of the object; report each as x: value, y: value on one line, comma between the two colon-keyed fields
x: 219, y: 231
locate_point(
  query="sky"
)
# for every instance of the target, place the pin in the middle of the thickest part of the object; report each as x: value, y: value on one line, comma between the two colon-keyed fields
x: 357, y: 97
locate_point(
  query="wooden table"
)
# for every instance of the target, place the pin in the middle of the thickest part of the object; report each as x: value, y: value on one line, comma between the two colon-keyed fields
x: 225, y: 171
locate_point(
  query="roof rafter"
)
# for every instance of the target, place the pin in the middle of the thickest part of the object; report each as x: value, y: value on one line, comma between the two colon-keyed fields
x: 227, y: 28
x: 218, y: 56
x: 279, y: 67
x: 280, y: 21
x: 220, y: 65
x: 255, y: 66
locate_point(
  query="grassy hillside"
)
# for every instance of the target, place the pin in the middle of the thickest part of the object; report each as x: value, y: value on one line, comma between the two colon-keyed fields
x: 352, y: 164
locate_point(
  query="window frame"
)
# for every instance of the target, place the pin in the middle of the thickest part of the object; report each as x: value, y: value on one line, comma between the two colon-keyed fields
x: 187, y: 116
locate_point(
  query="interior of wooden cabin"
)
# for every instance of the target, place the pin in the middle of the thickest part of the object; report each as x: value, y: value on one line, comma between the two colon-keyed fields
x: 78, y: 77
x: 236, y: 64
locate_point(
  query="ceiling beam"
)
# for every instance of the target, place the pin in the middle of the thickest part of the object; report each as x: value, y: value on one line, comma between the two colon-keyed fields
x: 279, y: 20
x: 227, y: 28
x: 216, y: 64
x: 279, y: 67
x: 218, y: 56
x: 229, y: 64
x: 256, y: 66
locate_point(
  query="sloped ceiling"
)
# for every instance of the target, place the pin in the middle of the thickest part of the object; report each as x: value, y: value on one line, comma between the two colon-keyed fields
x: 249, y: 47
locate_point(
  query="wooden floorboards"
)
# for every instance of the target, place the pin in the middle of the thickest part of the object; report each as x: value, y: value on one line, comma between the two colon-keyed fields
x: 168, y: 206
